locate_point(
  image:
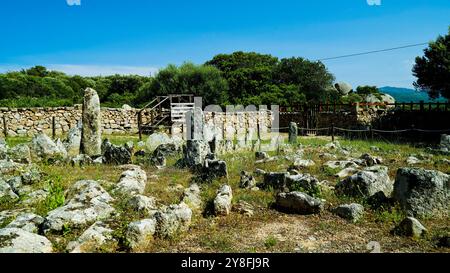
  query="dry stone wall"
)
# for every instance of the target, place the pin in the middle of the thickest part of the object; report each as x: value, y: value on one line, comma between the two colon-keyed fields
x: 29, y: 121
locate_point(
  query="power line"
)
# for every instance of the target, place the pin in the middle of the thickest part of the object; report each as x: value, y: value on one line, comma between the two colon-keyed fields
x: 372, y: 52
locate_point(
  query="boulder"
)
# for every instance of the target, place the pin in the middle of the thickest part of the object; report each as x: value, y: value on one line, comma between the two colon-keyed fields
x: 299, y: 203
x: 20, y: 153
x: 247, y: 180
x: 91, y: 136
x: 445, y: 143
x: 422, y: 192
x: 27, y: 221
x: 195, y: 153
x: 92, y: 239
x: 87, y: 202
x: 155, y: 140
x: 132, y: 181
x: 410, y: 227
x: 143, y: 204
x: 343, y: 88
x: 222, y: 202
x: 114, y: 154
x: 139, y: 233
x: 366, y: 183
x: 275, y: 181
x: 44, y: 148
x: 73, y: 141
x: 127, y: 107
x: 165, y: 150
x: 6, y: 191
x: 303, y: 182
x: 214, y: 169
x: 17, y: 240
x: 352, y: 212
x: 172, y: 220
x: 8, y: 167
x: 191, y: 197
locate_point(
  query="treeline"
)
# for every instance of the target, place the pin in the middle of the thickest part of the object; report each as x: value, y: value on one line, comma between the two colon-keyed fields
x: 238, y: 78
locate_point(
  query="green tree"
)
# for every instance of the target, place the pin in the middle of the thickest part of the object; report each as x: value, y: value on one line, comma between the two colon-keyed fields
x: 37, y: 71
x: 248, y: 74
x: 433, y: 69
x: 199, y: 80
x: 312, y: 78
x: 367, y: 90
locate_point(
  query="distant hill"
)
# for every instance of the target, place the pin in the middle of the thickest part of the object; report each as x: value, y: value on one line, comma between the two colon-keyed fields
x: 408, y: 95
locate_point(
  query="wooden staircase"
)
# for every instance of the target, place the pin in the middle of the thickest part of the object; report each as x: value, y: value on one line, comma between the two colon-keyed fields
x: 164, y: 111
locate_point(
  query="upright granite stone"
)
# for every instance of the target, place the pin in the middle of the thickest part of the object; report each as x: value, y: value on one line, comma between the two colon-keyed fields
x: 293, y: 133
x: 91, y: 137
x: 196, y: 121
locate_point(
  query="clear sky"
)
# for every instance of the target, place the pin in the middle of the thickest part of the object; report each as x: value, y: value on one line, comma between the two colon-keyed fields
x: 137, y: 36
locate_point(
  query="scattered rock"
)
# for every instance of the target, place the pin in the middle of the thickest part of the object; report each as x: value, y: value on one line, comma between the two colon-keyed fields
x: 259, y: 172
x: 191, y: 197
x: 6, y: 191
x: 214, y: 169
x: 445, y: 143
x: 352, y: 212
x: 139, y: 233
x: 81, y: 160
x: 444, y: 241
x: 8, y: 166
x: 16, y: 240
x: 261, y: 156
x: 91, y: 136
x: 333, y: 146
x: 244, y: 208
x: 422, y: 192
x: 366, y: 183
x: 341, y: 164
x: 275, y: 181
x: 94, y: 237
x: 172, y: 220
x: 20, y: 153
x: 87, y: 202
x: 346, y: 172
x: 36, y: 197
x: 380, y: 200
x: 303, y: 182
x: 412, y: 160
x: 44, y: 148
x: 143, y: 204
x: 195, y: 153
x: 410, y: 227
x: 114, y: 154
x: 247, y: 180
x: 302, y: 163
x: 370, y: 160
x: 3, y: 149
x: 298, y: 202
x: 132, y: 181
x: 222, y: 202
x: 27, y: 221
x: 155, y: 140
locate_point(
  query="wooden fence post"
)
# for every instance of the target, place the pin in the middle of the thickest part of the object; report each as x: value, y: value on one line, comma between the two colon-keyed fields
x: 5, y: 127
x: 332, y: 132
x: 53, y: 127
x: 140, y: 125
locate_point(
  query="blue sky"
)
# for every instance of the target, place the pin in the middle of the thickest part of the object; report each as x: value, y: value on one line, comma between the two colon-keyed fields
x: 137, y: 36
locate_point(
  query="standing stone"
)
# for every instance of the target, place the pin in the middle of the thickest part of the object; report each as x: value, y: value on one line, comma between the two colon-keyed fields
x: 222, y: 202
x: 293, y: 133
x: 91, y: 137
x: 196, y: 120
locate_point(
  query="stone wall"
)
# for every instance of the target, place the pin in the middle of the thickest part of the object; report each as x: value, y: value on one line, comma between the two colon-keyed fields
x: 28, y: 121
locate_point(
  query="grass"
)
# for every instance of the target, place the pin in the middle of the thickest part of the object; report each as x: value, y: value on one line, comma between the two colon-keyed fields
x: 267, y: 230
